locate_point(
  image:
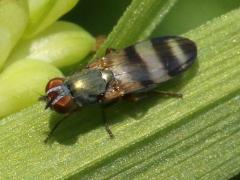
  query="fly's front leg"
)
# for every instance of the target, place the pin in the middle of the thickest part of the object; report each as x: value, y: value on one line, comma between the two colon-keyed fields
x: 55, y: 127
x: 66, y: 116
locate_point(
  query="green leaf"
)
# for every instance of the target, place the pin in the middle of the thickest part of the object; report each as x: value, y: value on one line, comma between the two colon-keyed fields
x: 11, y: 29
x: 62, y: 44
x: 43, y: 13
x: 190, y: 138
x: 137, y: 23
x: 22, y: 83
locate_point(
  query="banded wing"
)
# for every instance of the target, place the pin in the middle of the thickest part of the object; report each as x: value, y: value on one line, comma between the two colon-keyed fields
x: 141, y: 66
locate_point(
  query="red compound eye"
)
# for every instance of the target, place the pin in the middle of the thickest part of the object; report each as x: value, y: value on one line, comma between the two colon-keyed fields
x: 54, y: 82
x: 64, y: 104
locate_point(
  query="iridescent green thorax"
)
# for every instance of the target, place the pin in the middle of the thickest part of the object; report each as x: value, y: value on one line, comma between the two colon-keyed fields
x: 88, y: 85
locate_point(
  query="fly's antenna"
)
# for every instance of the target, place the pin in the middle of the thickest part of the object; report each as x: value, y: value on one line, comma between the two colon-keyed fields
x: 49, y: 103
x: 41, y: 97
x: 45, y: 99
x: 38, y: 93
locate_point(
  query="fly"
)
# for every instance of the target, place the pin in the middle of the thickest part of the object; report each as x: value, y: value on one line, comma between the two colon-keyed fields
x: 129, y: 72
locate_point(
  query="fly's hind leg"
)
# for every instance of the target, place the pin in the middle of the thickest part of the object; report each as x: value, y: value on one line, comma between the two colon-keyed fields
x: 167, y: 93
x: 135, y: 97
x: 139, y: 96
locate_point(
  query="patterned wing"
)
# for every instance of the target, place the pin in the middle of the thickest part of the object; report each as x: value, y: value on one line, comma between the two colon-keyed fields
x: 141, y: 66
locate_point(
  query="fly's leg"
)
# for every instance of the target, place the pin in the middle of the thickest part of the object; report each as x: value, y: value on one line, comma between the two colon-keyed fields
x: 99, y: 41
x: 139, y: 96
x: 105, y: 120
x: 135, y: 97
x: 110, y: 50
x: 167, y: 93
x: 57, y: 125
x: 106, y: 123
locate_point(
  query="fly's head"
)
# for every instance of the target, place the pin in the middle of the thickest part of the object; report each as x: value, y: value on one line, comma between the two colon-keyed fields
x: 58, y: 96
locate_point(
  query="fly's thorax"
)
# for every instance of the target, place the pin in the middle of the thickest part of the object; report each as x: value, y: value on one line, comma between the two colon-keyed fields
x: 88, y: 85
x: 107, y: 76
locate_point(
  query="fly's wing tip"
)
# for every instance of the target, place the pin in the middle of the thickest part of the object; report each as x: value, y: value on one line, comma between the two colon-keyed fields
x: 191, y: 48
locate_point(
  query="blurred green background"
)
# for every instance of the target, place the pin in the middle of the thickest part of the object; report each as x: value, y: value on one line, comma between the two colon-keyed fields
x: 99, y: 16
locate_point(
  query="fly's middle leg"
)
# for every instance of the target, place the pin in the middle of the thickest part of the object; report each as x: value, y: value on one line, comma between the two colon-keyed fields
x: 106, y: 123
